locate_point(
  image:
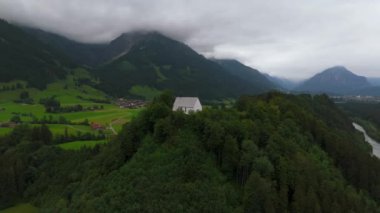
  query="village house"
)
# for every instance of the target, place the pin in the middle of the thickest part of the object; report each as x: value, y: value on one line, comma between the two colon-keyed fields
x: 187, y: 104
x: 130, y: 104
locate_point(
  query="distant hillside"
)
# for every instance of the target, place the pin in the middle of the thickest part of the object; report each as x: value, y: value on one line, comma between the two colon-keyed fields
x: 335, y: 80
x: 246, y: 73
x: 22, y: 57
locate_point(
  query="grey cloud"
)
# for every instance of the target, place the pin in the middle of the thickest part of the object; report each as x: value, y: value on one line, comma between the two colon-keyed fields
x: 290, y: 38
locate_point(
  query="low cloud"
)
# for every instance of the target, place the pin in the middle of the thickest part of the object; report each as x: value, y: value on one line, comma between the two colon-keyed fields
x: 289, y: 38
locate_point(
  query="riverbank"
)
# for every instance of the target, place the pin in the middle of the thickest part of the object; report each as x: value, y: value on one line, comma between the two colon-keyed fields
x: 372, y: 129
x: 375, y: 145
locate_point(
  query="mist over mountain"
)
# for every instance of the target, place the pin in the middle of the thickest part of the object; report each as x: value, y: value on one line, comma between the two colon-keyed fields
x: 247, y: 73
x: 89, y: 54
x: 284, y: 83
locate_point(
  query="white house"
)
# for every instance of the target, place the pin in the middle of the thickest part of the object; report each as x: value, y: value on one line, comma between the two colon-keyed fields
x: 187, y: 104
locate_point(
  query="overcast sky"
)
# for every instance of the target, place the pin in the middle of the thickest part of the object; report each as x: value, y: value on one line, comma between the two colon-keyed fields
x: 288, y: 38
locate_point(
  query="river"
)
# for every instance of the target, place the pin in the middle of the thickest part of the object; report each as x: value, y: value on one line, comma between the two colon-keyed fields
x: 375, y: 145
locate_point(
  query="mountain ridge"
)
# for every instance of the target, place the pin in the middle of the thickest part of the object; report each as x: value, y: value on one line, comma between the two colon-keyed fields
x: 164, y: 63
x: 247, y: 73
x: 155, y: 62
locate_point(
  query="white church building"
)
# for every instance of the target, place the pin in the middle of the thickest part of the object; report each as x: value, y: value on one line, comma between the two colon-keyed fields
x: 187, y: 104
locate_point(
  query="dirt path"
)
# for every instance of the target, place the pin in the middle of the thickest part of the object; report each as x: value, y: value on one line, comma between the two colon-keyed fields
x: 111, y: 127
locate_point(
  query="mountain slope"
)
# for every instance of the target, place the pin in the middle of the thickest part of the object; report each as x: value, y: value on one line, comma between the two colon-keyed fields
x: 335, y: 80
x: 159, y: 63
x: 85, y: 53
x: 141, y: 64
x: 22, y: 57
x: 246, y: 73
x: 371, y: 91
x: 283, y: 82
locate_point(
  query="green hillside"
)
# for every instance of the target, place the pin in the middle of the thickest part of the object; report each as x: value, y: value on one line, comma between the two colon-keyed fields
x: 68, y: 92
x: 269, y: 153
x: 22, y: 57
x: 140, y: 64
x: 162, y: 63
x: 84, y: 54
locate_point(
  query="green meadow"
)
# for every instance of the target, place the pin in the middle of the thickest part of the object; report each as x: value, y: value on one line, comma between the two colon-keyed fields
x: 68, y: 93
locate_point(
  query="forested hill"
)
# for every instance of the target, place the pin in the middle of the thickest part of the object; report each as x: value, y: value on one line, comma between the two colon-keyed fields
x: 22, y: 57
x: 269, y: 153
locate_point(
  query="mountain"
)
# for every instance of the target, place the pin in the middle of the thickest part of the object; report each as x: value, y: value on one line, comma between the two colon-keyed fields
x: 81, y: 53
x: 155, y: 62
x: 22, y: 57
x: 284, y: 83
x: 85, y: 53
x: 247, y: 73
x: 335, y: 80
x: 371, y: 91
x: 141, y: 64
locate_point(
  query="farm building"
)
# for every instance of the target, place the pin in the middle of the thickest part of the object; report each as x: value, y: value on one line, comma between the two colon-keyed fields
x: 96, y: 126
x: 130, y: 104
x: 187, y: 104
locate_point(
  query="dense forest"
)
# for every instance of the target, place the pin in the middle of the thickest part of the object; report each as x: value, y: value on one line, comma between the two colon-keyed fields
x: 268, y: 153
x: 369, y: 111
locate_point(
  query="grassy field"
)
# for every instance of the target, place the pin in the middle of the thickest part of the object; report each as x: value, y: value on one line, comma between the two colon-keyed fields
x: 77, y: 145
x: 68, y: 93
x: 21, y: 208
